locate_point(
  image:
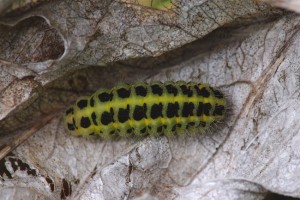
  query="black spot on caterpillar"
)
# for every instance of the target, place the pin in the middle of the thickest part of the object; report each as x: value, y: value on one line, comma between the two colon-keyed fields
x: 141, y: 109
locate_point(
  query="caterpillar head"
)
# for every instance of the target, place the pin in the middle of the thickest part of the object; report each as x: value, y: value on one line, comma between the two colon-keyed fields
x: 84, y: 117
x: 77, y: 120
x: 69, y: 121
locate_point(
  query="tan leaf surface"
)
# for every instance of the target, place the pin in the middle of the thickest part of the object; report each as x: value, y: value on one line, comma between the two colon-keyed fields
x: 292, y: 5
x: 58, y: 50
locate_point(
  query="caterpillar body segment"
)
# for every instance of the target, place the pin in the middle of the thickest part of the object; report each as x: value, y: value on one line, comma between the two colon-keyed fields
x: 146, y: 109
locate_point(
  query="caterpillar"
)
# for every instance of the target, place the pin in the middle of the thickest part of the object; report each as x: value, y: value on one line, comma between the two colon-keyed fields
x: 146, y: 109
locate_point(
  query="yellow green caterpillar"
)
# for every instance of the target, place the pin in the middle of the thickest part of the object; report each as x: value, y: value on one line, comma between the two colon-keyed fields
x: 146, y: 109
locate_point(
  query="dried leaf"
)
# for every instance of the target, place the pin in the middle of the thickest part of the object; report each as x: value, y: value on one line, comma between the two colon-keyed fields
x: 293, y: 5
x: 71, y: 48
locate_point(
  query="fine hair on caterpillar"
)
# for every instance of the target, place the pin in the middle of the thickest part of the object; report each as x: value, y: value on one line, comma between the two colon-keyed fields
x: 142, y: 109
